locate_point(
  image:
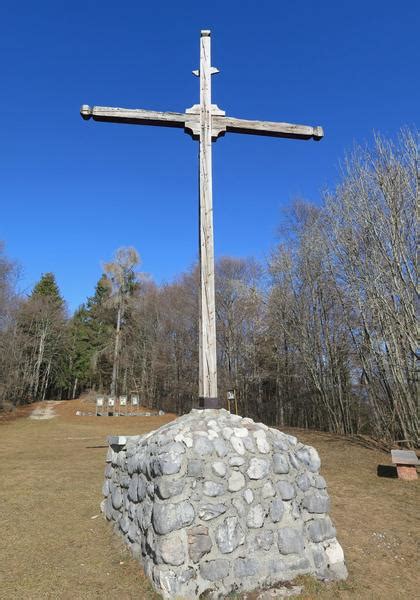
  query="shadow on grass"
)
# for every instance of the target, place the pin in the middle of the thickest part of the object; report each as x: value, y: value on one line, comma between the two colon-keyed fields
x: 389, y: 471
x: 90, y: 447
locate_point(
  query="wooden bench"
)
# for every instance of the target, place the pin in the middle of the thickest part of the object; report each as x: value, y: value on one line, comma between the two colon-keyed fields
x: 406, y: 461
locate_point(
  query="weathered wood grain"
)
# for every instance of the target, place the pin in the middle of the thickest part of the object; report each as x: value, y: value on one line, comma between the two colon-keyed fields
x: 269, y: 128
x: 135, y: 116
x: 207, y: 345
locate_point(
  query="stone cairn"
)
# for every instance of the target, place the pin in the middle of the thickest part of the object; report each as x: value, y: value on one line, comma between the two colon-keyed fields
x: 214, y: 501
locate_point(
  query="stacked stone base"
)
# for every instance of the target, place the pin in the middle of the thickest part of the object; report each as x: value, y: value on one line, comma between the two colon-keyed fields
x: 214, y: 501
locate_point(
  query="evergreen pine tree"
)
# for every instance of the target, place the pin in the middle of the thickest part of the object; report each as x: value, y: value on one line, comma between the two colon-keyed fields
x: 47, y: 289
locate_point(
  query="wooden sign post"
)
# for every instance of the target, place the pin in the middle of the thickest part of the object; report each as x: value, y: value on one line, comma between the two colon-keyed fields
x: 204, y: 122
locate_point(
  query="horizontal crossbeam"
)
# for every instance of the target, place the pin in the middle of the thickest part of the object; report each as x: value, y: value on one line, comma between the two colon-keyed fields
x: 191, y: 122
x: 269, y: 128
x: 132, y: 116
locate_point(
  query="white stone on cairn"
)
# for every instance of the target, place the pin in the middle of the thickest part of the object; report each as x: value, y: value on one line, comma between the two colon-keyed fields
x: 215, y: 502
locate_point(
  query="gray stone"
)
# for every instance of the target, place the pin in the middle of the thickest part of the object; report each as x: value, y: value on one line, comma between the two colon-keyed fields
x: 174, y: 448
x: 168, y: 582
x: 240, y: 432
x: 249, y: 445
x: 300, y: 564
x: 172, y: 550
x: 132, y: 488
x: 309, y: 456
x: 106, y: 508
x: 132, y: 510
x: 170, y: 462
x: 239, y: 506
x: 290, y: 541
x: 258, y: 468
x: 141, y: 488
x: 237, y: 445
x: 227, y: 432
x: 220, y: 447
x: 125, y: 481
x: 181, y: 535
x: 281, y: 445
x: 203, y: 446
x: 335, y: 558
x: 248, y: 496
x: 280, y: 463
x: 168, y: 517
x: 199, y: 542
x: 150, y: 489
x: 214, y: 570
x: 229, y: 535
x: 246, y: 567
x: 277, y: 567
x: 276, y: 510
x: 146, y: 515
x: 293, y: 460
x: 236, y: 481
x: 124, y: 523
x: 167, y: 488
x: 212, y: 488
x: 321, y: 529
x: 304, y: 482
x: 133, y: 531
x: 255, y: 518
x: 109, y: 454
x: 195, y: 467
x: 319, y: 482
x: 117, y: 498
x: 219, y: 468
x: 186, y: 576
x: 105, y: 488
x: 262, y: 442
x: 267, y: 490
x: 262, y: 540
x: 285, y: 490
x: 316, y: 503
x: 279, y: 440
x: 211, y: 511
x: 150, y: 538
x: 319, y: 556
x: 163, y: 439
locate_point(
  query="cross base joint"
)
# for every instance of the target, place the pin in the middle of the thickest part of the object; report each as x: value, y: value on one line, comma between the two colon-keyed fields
x: 204, y: 402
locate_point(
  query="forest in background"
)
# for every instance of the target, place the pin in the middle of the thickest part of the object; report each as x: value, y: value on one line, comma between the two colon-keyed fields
x: 321, y: 336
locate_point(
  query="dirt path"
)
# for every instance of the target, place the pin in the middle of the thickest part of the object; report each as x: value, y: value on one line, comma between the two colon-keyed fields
x: 45, y: 411
x: 55, y: 546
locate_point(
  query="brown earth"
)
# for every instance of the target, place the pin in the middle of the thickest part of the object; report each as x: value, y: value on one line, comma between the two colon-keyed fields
x: 55, y: 545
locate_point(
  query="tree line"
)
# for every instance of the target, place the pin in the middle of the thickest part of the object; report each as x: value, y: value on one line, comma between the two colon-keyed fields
x: 323, y: 335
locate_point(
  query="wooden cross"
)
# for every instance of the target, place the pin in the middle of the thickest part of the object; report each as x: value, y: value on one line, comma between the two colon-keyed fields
x: 204, y: 122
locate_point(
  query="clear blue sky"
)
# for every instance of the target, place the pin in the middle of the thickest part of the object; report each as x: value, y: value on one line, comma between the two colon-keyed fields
x: 72, y: 192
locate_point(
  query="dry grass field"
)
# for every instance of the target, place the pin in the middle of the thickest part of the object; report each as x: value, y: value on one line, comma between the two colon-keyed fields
x: 55, y: 545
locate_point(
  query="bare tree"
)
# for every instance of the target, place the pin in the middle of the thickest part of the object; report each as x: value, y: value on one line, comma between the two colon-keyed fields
x: 123, y: 279
x: 371, y: 220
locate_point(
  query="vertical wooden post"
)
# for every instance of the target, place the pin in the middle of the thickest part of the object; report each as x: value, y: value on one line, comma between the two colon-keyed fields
x: 207, y: 344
